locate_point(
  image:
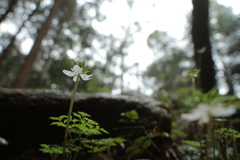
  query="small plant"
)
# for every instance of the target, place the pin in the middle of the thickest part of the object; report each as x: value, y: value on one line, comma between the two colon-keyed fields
x: 210, y: 107
x: 129, y: 117
x: 78, y: 126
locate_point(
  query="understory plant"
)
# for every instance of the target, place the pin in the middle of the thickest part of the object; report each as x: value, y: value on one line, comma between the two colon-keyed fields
x: 213, y: 135
x: 79, y: 128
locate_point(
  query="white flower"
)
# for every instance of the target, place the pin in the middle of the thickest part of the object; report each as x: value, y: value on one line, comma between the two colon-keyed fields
x: 3, y: 141
x: 76, y: 70
x: 203, y: 113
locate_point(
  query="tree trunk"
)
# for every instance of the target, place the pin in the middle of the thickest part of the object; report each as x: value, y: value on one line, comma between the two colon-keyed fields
x: 200, y: 37
x: 6, y: 50
x: 24, y: 73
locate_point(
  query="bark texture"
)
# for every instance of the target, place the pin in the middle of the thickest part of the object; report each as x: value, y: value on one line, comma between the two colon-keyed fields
x: 200, y: 37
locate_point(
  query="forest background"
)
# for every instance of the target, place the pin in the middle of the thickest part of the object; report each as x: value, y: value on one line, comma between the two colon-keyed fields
x: 39, y: 38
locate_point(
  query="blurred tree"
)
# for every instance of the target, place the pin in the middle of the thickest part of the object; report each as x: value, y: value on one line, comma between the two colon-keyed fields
x: 24, y: 73
x: 70, y: 30
x: 10, y: 7
x: 168, y: 71
x: 202, y: 48
x: 6, y: 50
x: 225, y: 26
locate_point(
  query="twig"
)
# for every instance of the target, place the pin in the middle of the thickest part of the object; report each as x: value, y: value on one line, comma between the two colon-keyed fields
x: 235, y: 144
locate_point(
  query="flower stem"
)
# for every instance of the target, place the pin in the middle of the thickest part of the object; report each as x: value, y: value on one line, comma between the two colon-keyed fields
x: 69, y: 116
x: 210, y: 141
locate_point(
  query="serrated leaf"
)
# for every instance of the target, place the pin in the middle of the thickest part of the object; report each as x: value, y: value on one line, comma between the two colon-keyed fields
x: 104, y: 131
x: 54, y: 118
x: 62, y: 117
x: 76, y: 115
x: 83, y: 114
x: 60, y: 124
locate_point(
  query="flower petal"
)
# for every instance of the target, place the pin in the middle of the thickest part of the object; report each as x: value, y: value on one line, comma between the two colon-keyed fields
x: 77, y: 69
x: 69, y: 73
x: 200, y: 113
x: 191, y: 116
x: 75, y: 79
x: 221, y: 111
x: 204, y: 119
x: 86, y: 77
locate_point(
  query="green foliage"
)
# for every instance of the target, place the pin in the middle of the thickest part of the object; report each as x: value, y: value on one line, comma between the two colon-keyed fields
x: 101, y: 145
x: 80, y: 124
x: 193, y: 73
x: 177, y: 133
x: 141, y: 145
x: 129, y: 117
x: 228, y: 132
x: 138, y: 147
x: 75, y: 63
x: 167, y: 72
x: 53, y: 150
x: 193, y: 143
x: 95, y: 85
x: 82, y: 64
x: 191, y: 151
x: 80, y: 128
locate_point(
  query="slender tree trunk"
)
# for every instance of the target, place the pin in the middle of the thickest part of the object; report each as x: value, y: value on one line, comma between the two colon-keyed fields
x: 6, y: 50
x: 200, y: 37
x: 228, y: 77
x: 25, y: 71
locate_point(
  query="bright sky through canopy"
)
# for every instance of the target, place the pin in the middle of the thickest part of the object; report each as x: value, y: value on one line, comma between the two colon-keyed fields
x: 163, y: 15
x: 151, y: 15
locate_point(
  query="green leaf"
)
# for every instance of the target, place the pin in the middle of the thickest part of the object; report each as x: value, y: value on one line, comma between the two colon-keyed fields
x: 82, y: 64
x: 163, y: 134
x: 202, y: 50
x: 129, y: 117
x: 60, y: 124
x: 132, y: 114
x: 193, y: 143
x: 193, y: 72
x: 97, y: 149
x: 83, y: 114
x: 52, y: 149
x: 103, y: 130
x: 138, y: 147
x: 101, y: 145
x: 86, y: 70
x: 54, y: 118
x: 74, y: 62
x: 228, y: 132
x: 58, y: 118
